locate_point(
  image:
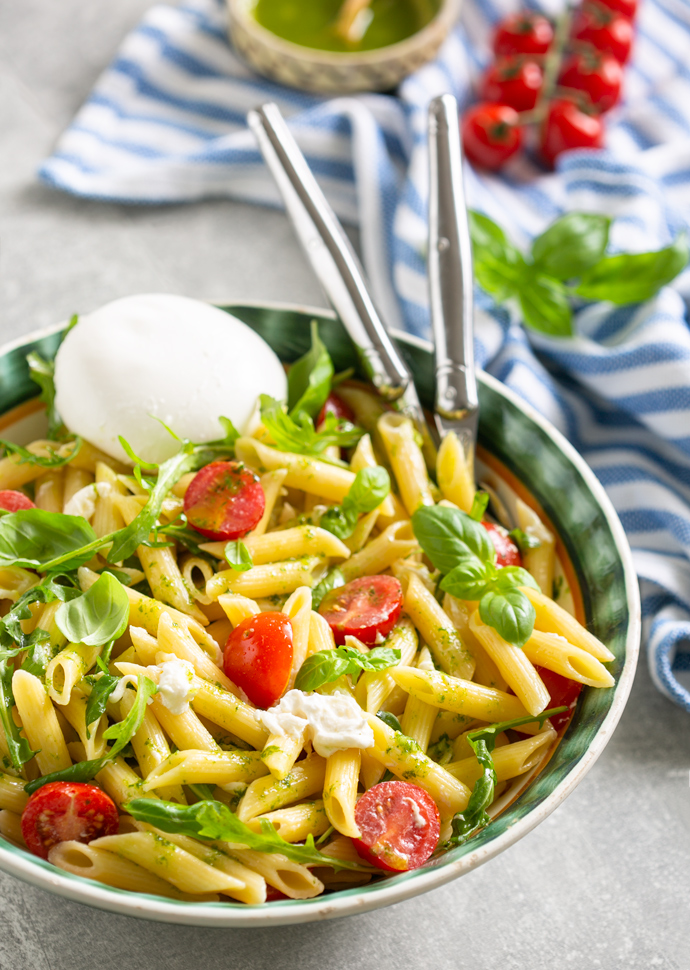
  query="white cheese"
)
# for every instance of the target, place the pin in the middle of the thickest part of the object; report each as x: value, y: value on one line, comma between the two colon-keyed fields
x: 164, y: 357
x: 333, y: 722
x: 83, y: 502
x: 419, y: 820
x: 175, y: 685
x: 121, y: 686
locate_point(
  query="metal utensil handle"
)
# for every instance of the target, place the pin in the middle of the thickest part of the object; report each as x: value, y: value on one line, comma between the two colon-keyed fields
x: 329, y: 251
x: 450, y: 266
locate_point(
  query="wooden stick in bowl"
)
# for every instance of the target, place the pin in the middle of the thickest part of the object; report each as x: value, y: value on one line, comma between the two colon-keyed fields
x: 351, y: 24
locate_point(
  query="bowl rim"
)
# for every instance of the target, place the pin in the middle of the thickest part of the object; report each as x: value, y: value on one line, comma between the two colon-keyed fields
x: 448, y: 13
x: 37, y: 872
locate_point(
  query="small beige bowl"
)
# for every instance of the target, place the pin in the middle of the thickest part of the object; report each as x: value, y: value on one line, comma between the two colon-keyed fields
x: 329, y: 72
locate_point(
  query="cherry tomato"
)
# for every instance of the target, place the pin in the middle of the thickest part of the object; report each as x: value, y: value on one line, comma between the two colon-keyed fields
x: 507, y: 553
x: 335, y: 405
x: 274, y: 895
x: 563, y: 692
x: 599, y: 75
x: 224, y: 500
x: 258, y: 657
x: 364, y: 608
x: 523, y: 33
x: 515, y: 81
x: 626, y: 8
x: 399, y: 825
x: 565, y: 127
x: 605, y: 30
x: 491, y: 134
x: 64, y: 811
x: 13, y: 501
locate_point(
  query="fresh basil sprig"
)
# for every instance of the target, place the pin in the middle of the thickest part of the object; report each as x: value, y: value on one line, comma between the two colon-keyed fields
x: 482, y: 741
x: 309, y: 378
x: 460, y: 548
x: 298, y: 434
x: 214, y: 821
x: 120, y: 734
x: 370, y: 487
x: 567, y: 261
x: 99, y: 615
x: 325, y: 666
x: 237, y: 556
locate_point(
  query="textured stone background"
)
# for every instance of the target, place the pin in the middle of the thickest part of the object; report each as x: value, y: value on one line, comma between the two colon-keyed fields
x: 604, y: 882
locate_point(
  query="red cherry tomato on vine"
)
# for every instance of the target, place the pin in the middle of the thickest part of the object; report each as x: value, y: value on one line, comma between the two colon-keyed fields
x: 12, y: 500
x: 258, y: 657
x: 507, y: 553
x: 599, y: 75
x: 605, y: 30
x: 399, y: 825
x: 65, y: 811
x: 566, y: 127
x: 491, y: 134
x: 335, y: 405
x: 626, y: 8
x: 364, y: 608
x: 563, y: 693
x: 515, y: 81
x: 224, y: 501
x: 523, y: 33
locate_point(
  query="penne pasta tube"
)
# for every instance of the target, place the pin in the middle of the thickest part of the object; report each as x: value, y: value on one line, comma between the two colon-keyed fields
x: 552, y: 618
x: 74, y: 480
x: 271, y: 483
x: 375, y: 687
x: 184, y: 730
x: 175, y: 638
x: 485, y: 672
x: 362, y: 531
x: 11, y: 827
x: 151, y: 749
x: 510, y: 760
x: 340, y: 790
x: 514, y: 665
x: 40, y: 722
x: 92, y: 738
x: 298, y: 609
x: 455, y: 472
x: 48, y: 491
x: 228, y: 711
x: 462, y: 696
x: 320, y: 634
x: 553, y: 651
x: 364, y: 457
x: 418, y: 717
x: 406, y: 760
x: 69, y: 666
x: 541, y: 560
x: 12, y: 794
x: 14, y: 472
x: 302, y: 540
x: 371, y: 771
x: 280, y: 753
x: 395, y: 542
x: 267, y: 794
x: 437, y: 629
x: 145, y: 646
x: 15, y: 581
x: 121, y: 782
x: 201, y: 767
x: 296, y: 822
x: 407, y: 460
x: 237, y: 608
x: 289, y: 878
x: 202, y: 566
x: 309, y: 474
x: 274, y: 579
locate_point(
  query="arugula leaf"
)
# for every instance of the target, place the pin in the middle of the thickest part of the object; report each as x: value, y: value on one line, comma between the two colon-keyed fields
x: 214, y: 821
x: 237, y: 556
x: 370, y: 487
x: 34, y: 537
x: 571, y: 244
x: 332, y: 580
x: 327, y: 665
x: 42, y: 372
x: 544, y: 304
x: 203, y: 792
x: 510, y: 613
x: 448, y: 536
x: 634, y: 277
x: 523, y: 541
x: 390, y: 719
x: 298, y: 435
x: 99, y: 615
x: 27, y: 457
x: 18, y: 747
x: 309, y: 378
x: 479, y: 505
x: 101, y: 690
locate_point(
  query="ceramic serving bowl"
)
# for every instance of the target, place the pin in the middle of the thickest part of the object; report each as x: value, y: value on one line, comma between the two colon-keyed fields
x: 537, y: 462
x: 330, y: 72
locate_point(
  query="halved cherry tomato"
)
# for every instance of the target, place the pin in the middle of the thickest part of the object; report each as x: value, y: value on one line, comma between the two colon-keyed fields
x: 563, y: 692
x: 366, y: 608
x: 566, y: 127
x: 274, y: 895
x: 626, y: 8
x: 599, y: 75
x: 13, y: 501
x: 224, y: 500
x: 64, y: 811
x: 335, y: 405
x: 258, y: 657
x: 515, y: 81
x: 399, y: 825
x: 523, y: 33
x: 507, y: 553
x: 604, y: 29
x: 491, y: 134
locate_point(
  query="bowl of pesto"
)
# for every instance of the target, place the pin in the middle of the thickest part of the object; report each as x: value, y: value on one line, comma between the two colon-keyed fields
x: 340, y: 46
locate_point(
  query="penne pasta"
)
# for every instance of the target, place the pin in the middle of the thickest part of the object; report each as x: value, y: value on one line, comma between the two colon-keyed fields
x: 437, y: 629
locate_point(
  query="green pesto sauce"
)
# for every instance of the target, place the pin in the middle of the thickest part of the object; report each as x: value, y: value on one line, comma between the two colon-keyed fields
x: 311, y: 22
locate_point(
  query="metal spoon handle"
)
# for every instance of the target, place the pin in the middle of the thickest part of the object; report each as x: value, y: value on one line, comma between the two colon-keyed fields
x: 328, y: 249
x: 450, y: 268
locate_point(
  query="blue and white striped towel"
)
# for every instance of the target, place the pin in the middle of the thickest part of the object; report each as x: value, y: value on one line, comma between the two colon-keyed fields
x: 166, y: 122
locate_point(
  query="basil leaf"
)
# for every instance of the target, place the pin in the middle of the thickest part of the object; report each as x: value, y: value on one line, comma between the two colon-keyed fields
x: 510, y: 576
x: 27, y: 457
x: 448, y: 535
x: 42, y: 372
x: 389, y: 719
x: 479, y: 505
x: 332, y: 580
x: 634, y: 277
x: 97, y: 616
x: 213, y: 820
x: 470, y: 579
x: 18, y: 747
x: 510, y: 613
x: 523, y: 541
x: 296, y: 433
x: 34, y: 537
x: 238, y: 556
x: 370, y: 487
x: 338, y: 521
x: 309, y: 378
x: 571, y: 244
x: 544, y: 304
x: 98, y: 698
x: 327, y: 665
x: 498, y: 266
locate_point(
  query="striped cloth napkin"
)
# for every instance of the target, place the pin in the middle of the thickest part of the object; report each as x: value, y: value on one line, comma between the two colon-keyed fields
x: 166, y: 122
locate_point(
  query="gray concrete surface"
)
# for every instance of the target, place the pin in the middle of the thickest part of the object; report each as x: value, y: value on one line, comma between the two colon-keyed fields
x: 603, y: 883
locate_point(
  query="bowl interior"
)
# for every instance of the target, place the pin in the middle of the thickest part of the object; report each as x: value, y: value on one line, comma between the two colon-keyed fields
x: 537, y: 459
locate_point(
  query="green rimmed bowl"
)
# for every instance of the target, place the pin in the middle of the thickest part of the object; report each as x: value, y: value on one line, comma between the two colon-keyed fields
x: 536, y: 461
